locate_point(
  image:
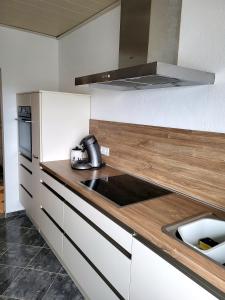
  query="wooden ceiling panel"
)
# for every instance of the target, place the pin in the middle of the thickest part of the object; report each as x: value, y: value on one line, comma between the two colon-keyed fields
x: 51, y: 17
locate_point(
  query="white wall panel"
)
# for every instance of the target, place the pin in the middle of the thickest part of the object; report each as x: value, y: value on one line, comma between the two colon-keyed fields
x: 28, y: 62
x: 202, y: 45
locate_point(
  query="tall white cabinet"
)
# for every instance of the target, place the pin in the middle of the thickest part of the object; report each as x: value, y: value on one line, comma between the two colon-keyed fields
x: 59, y: 122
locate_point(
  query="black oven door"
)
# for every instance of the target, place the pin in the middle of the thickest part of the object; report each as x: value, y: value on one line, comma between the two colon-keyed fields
x: 25, y: 137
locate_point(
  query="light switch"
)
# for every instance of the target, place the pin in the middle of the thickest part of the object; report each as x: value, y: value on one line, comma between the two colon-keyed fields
x: 104, y: 151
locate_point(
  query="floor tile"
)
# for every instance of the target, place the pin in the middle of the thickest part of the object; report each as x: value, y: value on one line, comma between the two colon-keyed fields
x: 9, y: 218
x: 63, y: 288
x: 7, y: 298
x: 63, y: 271
x: 12, y: 234
x: 21, y: 221
x: 33, y: 237
x: 45, y: 260
x: 18, y: 255
x: 29, y: 270
x: 16, y: 214
x: 30, y: 284
x: 2, y: 221
x: 3, y: 247
x: 46, y: 245
x: 7, y: 274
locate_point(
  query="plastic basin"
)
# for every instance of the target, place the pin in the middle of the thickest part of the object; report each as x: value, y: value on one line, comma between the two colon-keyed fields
x: 192, y: 232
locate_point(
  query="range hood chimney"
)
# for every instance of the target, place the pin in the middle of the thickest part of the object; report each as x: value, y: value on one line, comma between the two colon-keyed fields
x: 149, y: 42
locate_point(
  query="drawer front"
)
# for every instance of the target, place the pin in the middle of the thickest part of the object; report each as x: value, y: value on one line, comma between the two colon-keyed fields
x: 26, y: 200
x: 116, y: 232
x: 51, y: 203
x: 51, y: 233
x: 106, y: 257
x: 82, y: 272
x: 25, y: 178
x: 26, y: 162
x: 54, y: 184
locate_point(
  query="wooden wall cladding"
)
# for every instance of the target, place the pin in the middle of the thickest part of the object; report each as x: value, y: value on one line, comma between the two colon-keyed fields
x: 189, y: 162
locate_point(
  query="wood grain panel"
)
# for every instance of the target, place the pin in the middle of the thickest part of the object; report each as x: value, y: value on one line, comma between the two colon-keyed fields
x: 51, y: 17
x: 190, y: 162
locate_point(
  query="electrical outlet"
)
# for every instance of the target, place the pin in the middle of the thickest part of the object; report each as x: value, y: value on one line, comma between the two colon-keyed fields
x: 104, y: 151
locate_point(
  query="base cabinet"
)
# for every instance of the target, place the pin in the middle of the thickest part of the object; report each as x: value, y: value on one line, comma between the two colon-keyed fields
x: 26, y: 200
x: 110, y: 261
x: 98, y: 266
x: 51, y: 233
x: 52, y: 204
x: 25, y: 178
x: 25, y: 184
x: 96, y: 262
x: 86, y: 277
x: 154, y: 278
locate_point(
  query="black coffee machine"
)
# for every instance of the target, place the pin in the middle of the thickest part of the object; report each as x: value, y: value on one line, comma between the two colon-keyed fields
x: 94, y: 159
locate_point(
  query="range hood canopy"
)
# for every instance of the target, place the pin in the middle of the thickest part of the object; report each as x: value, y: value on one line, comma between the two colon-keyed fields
x: 149, y: 31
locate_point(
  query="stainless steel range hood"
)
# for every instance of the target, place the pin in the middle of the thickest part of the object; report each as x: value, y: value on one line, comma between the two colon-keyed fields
x: 149, y: 42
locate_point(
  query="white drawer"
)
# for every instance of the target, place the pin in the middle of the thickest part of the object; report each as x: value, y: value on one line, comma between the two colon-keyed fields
x: 26, y: 162
x: 51, y: 233
x: 52, y: 204
x: 108, y: 259
x: 25, y: 178
x: 89, y: 281
x: 116, y: 232
x: 26, y: 200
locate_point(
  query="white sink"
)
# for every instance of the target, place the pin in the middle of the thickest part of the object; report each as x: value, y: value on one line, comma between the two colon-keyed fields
x: 210, y: 227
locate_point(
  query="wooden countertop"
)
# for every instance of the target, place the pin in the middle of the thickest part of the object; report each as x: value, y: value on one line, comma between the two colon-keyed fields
x: 147, y: 218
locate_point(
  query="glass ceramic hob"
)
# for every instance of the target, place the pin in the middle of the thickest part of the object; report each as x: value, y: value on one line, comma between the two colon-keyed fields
x: 125, y: 189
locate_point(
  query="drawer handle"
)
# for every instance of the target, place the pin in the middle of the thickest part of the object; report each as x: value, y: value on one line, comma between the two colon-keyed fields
x: 26, y: 190
x: 26, y: 168
x: 35, y: 156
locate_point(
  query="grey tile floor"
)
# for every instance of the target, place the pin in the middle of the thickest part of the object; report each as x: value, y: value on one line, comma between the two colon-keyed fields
x: 28, y: 268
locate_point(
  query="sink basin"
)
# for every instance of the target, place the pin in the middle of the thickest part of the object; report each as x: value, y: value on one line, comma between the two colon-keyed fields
x: 192, y: 230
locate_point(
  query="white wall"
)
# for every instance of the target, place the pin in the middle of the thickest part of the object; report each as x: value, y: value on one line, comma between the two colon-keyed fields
x: 92, y: 48
x: 28, y: 62
x: 202, y: 45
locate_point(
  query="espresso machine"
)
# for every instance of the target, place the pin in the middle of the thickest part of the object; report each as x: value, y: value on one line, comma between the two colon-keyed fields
x: 89, y: 144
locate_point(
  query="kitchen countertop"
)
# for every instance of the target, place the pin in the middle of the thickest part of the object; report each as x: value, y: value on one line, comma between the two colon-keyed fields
x: 148, y: 218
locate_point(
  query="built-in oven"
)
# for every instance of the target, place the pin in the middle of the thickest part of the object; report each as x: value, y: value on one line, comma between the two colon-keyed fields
x: 25, y: 131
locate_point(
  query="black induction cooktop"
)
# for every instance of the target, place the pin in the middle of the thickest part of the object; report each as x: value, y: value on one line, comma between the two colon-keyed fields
x: 125, y: 189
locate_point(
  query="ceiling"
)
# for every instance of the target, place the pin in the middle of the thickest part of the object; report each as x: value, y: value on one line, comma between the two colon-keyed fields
x: 51, y: 17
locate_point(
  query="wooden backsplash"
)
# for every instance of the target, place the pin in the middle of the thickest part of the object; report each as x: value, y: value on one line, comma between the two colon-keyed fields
x: 190, y: 162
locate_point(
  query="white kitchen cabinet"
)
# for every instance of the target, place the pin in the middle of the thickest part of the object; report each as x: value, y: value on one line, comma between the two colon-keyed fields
x: 82, y: 272
x: 25, y: 162
x: 109, y: 260
x: 25, y: 167
x: 26, y: 199
x: 59, y: 122
x: 96, y: 261
x: 52, y: 204
x: 36, y: 149
x: 51, y: 233
x: 64, y: 122
x: 25, y: 178
x: 154, y: 278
